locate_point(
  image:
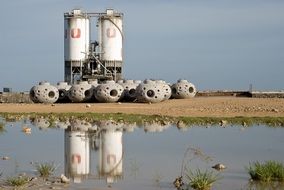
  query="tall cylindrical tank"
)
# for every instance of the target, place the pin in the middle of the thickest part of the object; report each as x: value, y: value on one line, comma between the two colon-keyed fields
x: 111, y: 37
x: 111, y: 40
x: 77, y: 154
x: 76, y: 42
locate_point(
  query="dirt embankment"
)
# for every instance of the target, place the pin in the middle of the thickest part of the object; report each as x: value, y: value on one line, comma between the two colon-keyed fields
x: 196, y: 107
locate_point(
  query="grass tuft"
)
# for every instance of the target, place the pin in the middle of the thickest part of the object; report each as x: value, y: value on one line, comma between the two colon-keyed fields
x: 17, y: 181
x: 267, y: 171
x: 45, y: 169
x: 201, y: 180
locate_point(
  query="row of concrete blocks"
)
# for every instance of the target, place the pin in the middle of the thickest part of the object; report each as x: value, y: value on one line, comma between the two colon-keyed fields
x: 125, y: 90
x: 107, y: 125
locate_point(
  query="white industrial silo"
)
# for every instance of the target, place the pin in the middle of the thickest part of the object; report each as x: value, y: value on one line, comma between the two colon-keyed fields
x: 77, y: 154
x: 76, y: 43
x: 111, y: 41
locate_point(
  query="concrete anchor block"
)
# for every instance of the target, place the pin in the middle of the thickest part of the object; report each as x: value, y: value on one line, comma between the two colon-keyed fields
x: 183, y: 89
x: 44, y: 93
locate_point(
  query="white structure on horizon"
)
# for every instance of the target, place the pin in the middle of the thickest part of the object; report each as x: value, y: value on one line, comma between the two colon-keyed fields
x: 86, y: 59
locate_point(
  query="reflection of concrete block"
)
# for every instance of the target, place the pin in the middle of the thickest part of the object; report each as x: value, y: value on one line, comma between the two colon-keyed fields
x: 80, y: 125
x: 108, y: 92
x: 109, y: 125
x: 44, y: 93
x: 183, y: 89
x: 62, y: 125
x: 41, y: 123
x: 129, y: 127
x: 155, y: 127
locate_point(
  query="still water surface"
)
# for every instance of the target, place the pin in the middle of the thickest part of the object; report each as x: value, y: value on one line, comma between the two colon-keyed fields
x: 97, y: 155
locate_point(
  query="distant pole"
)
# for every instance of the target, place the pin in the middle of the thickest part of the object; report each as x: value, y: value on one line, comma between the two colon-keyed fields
x: 250, y: 87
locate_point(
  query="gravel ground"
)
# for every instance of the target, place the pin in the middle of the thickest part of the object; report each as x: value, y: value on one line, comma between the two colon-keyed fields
x: 195, y: 107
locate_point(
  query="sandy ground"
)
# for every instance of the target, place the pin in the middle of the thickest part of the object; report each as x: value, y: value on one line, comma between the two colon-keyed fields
x: 199, y: 107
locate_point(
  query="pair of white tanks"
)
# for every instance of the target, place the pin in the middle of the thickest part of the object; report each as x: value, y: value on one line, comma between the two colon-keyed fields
x: 79, y: 49
x: 77, y: 144
x: 124, y: 90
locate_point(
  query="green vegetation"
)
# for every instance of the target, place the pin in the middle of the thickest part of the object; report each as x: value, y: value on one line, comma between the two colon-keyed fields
x: 242, y: 121
x: 267, y: 171
x: 198, y: 179
x: 17, y: 181
x: 253, y: 185
x: 145, y: 119
x: 45, y: 169
x: 201, y: 180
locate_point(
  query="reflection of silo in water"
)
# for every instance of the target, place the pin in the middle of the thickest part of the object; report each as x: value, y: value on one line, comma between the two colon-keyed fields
x: 111, y: 155
x: 77, y: 154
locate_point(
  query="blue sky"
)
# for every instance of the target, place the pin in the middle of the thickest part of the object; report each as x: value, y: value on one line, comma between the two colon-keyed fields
x: 220, y: 44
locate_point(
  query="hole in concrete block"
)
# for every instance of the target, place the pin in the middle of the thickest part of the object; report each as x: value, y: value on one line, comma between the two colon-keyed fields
x: 32, y: 93
x: 132, y: 91
x: 61, y: 93
x: 150, y: 93
x: 51, y: 94
x: 174, y: 90
x: 87, y: 93
x: 113, y: 92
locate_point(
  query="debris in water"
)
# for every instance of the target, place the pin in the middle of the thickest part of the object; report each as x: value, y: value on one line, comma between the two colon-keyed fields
x: 219, y: 167
x: 178, y: 183
x: 181, y: 124
x: 5, y: 158
x: 64, y: 179
x: 27, y: 130
x: 275, y: 110
x: 33, y: 179
x: 223, y: 123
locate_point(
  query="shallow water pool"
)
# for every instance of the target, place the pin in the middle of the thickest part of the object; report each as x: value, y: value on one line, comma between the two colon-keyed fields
x: 106, y: 154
